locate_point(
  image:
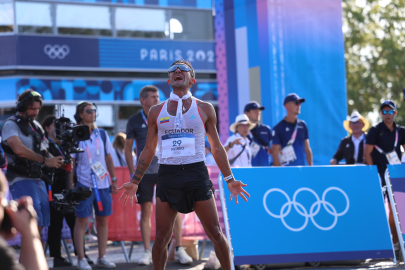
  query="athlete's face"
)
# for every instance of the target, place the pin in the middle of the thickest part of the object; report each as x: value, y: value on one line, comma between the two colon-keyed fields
x: 180, y: 79
x: 32, y: 111
x: 151, y: 100
x: 89, y: 114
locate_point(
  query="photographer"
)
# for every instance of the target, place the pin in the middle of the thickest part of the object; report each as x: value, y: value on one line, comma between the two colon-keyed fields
x: 26, y: 149
x: 24, y: 222
x: 91, y: 171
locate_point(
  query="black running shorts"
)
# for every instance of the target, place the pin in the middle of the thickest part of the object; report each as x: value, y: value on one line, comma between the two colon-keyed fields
x: 183, y: 185
x: 146, y: 188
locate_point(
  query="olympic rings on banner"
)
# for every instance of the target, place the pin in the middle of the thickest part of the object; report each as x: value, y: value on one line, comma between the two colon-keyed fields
x: 313, y: 211
x: 56, y: 51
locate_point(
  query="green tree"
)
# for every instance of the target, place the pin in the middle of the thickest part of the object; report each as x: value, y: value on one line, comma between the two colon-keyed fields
x: 374, y: 32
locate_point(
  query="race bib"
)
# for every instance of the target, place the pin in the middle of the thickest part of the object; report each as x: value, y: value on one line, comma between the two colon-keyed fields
x: 255, y: 148
x: 178, y: 145
x: 99, y: 170
x: 392, y: 158
x: 287, y: 155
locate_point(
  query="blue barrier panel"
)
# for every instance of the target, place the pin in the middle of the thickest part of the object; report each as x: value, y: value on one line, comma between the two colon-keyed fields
x: 397, y: 177
x: 306, y: 214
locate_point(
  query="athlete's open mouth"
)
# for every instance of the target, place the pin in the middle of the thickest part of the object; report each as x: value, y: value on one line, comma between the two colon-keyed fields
x: 178, y: 77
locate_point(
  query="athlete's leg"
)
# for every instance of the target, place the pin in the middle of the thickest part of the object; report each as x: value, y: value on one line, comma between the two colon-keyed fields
x: 146, y: 212
x: 178, y: 225
x: 165, y: 217
x: 207, y: 213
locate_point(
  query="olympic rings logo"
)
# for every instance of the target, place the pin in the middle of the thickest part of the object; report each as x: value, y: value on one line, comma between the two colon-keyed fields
x: 313, y: 211
x: 56, y: 51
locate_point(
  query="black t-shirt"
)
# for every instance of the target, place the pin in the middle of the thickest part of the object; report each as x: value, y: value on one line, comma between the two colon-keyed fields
x: 138, y: 129
x: 7, y: 257
x: 61, y: 181
x: 384, y: 138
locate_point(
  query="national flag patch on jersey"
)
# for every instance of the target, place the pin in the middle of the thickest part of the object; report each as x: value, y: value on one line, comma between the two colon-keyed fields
x: 164, y: 120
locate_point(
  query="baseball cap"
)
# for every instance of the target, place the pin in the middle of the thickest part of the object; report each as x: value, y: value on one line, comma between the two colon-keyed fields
x: 253, y: 105
x: 388, y: 103
x: 293, y: 97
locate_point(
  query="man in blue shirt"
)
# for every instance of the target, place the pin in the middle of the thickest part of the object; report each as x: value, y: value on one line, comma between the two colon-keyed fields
x: 259, y: 136
x: 290, y: 136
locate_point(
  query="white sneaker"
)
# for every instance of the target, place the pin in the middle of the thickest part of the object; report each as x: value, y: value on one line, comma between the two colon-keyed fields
x: 83, y: 265
x: 146, y: 258
x: 181, y: 256
x: 103, y: 262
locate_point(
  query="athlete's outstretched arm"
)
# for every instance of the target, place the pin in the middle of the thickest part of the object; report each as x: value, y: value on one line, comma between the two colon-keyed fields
x: 219, y: 153
x: 145, y: 158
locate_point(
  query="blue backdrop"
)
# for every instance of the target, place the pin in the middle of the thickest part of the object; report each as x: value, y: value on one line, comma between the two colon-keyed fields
x: 306, y: 214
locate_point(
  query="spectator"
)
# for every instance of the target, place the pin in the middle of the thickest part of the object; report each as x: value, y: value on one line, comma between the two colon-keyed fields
x: 137, y: 128
x: 238, y: 145
x: 383, y: 147
x: 290, y: 136
x: 259, y: 136
x: 24, y: 221
x: 351, y: 147
x: 209, y: 158
x: 118, y: 154
x: 91, y: 171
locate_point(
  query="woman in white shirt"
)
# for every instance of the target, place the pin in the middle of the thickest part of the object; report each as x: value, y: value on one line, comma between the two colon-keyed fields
x: 237, y: 146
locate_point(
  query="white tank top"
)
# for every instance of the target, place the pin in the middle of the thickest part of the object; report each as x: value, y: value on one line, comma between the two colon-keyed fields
x: 183, y: 146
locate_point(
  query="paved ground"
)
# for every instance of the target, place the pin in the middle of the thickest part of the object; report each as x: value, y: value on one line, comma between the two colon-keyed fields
x: 115, y: 254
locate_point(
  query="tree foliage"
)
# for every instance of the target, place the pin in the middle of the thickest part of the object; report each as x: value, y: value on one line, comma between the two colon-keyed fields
x: 374, y: 32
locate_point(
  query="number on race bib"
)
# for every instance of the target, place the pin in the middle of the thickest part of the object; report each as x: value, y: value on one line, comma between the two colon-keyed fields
x: 176, y: 143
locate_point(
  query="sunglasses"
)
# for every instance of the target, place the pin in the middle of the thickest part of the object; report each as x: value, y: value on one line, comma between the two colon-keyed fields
x: 90, y: 111
x: 182, y: 67
x: 391, y: 112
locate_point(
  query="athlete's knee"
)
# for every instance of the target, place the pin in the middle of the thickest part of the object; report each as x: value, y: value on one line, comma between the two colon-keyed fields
x: 214, y: 233
x: 163, y: 236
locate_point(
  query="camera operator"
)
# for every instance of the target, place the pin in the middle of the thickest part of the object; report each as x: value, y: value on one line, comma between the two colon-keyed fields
x: 23, y: 221
x: 91, y: 171
x: 26, y: 149
x: 61, y: 181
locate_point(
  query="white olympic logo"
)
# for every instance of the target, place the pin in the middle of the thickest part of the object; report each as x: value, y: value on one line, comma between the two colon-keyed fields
x: 314, y: 210
x: 56, y: 51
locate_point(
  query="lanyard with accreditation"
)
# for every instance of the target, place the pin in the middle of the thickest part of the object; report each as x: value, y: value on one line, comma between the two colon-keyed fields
x: 287, y: 154
x: 97, y: 169
x: 392, y: 157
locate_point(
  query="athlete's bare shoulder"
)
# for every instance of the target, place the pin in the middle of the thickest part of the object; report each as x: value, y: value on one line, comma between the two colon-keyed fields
x: 154, y: 111
x: 206, y: 109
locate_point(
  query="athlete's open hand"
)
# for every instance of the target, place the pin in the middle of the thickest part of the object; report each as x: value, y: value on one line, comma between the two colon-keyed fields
x: 236, y: 188
x: 129, y: 192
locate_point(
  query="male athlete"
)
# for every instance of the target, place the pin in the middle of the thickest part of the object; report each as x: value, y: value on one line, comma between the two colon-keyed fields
x: 178, y: 127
